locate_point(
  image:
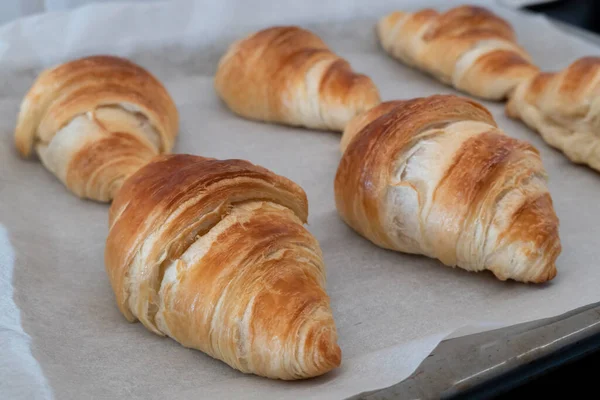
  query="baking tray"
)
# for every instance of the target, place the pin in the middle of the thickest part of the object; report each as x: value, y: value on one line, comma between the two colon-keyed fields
x: 487, y: 364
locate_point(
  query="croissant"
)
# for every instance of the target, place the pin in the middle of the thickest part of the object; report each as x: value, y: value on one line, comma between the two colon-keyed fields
x: 214, y: 254
x: 288, y: 75
x: 94, y: 121
x: 564, y: 108
x: 436, y: 176
x: 467, y: 47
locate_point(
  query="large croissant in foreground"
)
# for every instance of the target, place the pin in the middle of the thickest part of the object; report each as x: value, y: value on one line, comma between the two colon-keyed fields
x: 467, y: 47
x: 288, y: 75
x: 435, y: 176
x: 214, y: 254
x: 94, y: 121
x: 564, y: 108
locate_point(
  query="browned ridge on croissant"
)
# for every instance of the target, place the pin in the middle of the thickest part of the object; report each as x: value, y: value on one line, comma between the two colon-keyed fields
x: 436, y: 176
x: 288, y: 75
x: 94, y: 121
x: 214, y: 254
x: 564, y: 107
x: 467, y: 47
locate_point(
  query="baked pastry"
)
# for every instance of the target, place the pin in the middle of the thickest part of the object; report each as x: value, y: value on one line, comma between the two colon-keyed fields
x: 435, y: 176
x: 288, y: 75
x: 94, y: 121
x: 214, y: 254
x: 467, y: 47
x: 564, y: 108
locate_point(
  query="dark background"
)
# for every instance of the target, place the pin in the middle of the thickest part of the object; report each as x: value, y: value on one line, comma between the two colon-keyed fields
x: 584, y: 14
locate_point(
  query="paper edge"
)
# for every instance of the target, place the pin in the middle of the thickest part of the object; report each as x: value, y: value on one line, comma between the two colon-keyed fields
x: 21, y: 364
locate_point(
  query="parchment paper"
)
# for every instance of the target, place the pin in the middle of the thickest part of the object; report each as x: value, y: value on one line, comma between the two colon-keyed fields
x: 391, y: 309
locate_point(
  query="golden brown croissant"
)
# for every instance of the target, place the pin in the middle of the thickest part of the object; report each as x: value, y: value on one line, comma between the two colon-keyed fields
x: 435, y: 176
x: 288, y: 75
x: 214, y: 254
x: 94, y: 121
x: 467, y: 47
x: 564, y: 108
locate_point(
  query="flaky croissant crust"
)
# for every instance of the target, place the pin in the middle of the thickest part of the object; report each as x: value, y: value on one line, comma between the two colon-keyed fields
x: 288, y: 75
x: 467, y: 47
x: 94, y: 121
x: 78, y: 86
x: 435, y: 176
x: 214, y: 254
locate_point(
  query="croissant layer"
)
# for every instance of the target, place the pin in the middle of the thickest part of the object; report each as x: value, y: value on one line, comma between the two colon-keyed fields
x: 288, y: 75
x: 214, y: 254
x: 564, y: 107
x: 94, y: 121
x: 467, y: 47
x: 436, y: 176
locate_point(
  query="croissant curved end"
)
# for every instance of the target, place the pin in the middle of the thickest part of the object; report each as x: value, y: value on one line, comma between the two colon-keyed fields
x: 26, y: 120
x: 528, y: 250
x: 385, y: 25
x: 24, y: 136
x: 323, y: 353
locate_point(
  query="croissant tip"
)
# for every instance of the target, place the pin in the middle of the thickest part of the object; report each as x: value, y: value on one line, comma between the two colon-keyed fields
x: 547, y: 275
x: 330, y: 350
x: 327, y: 355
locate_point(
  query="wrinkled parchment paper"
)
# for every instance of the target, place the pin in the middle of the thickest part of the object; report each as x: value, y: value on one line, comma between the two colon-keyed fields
x: 391, y: 309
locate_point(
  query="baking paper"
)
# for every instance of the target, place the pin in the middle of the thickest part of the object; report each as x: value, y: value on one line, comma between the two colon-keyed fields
x: 391, y: 309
